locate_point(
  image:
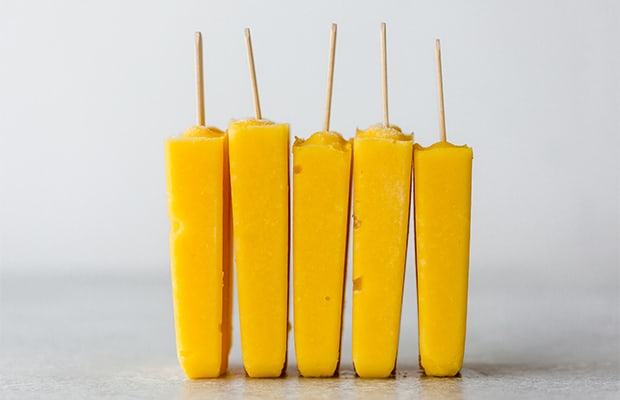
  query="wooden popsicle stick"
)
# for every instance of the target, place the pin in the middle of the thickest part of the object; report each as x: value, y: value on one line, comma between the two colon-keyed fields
x: 248, y: 44
x: 200, y: 94
x: 442, y: 114
x: 384, y: 81
x: 330, y: 78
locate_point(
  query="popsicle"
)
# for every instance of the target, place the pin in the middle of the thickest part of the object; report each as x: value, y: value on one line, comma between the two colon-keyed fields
x: 442, y: 187
x: 200, y: 243
x: 259, y: 169
x: 381, y: 185
x: 321, y: 185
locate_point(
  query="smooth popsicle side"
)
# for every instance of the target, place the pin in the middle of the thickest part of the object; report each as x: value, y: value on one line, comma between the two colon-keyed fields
x: 321, y: 187
x: 381, y: 202
x: 442, y: 187
x: 200, y: 249
x: 259, y: 174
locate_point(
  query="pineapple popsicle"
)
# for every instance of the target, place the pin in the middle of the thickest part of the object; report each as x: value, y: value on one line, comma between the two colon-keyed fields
x: 260, y: 196
x: 382, y: 185
x: 200, y: 249
x: 442, y: 187
x: 321, y: 184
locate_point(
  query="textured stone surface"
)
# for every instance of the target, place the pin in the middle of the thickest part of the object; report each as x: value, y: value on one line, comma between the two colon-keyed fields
x: 74, y: 335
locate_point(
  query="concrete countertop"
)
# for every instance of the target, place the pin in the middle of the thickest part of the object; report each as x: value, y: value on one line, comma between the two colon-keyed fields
x: 97, y: 335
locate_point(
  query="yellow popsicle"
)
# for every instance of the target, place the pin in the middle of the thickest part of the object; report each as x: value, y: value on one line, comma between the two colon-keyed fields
x: 259, y: 152
x: 442, y: 187
x: 321, y: 184
x: 382, y: 185
x: 200, y: 249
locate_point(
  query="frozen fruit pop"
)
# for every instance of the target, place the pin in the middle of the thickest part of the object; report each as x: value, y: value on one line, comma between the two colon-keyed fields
x: 381, y: 202
x: 442, y: 187
x: 259, y: 174
x: 321, y: 185
x: 200, y: 244
x: 442, y: 211
x: 321, y: 182
x: 382, y: 185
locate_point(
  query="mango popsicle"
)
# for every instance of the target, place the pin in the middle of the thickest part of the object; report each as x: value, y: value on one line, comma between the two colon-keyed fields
x: 198, y: 189
x: 442, y: 187
x: 260, y: 196
x: 259, y: 174
x: 321, y: 187
x: 381, y: 192
x: 321, y: 183
x: 381, y: 184
x: 200, y: 249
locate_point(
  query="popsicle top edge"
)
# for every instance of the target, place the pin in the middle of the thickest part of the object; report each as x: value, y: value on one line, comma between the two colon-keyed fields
x: 439, y: 145
x: 200, y: 132
x: 379, y: 131
x: 324, y: 138
x: 250, y: 123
